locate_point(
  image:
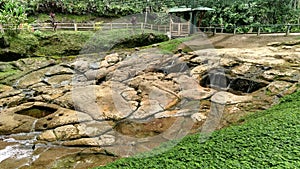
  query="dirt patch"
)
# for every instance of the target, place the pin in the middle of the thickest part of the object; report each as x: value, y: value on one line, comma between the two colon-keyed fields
x: 247, y: 40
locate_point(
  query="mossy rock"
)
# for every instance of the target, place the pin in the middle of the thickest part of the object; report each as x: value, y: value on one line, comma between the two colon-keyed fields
x: 140, y: 40
x: 62, y: 43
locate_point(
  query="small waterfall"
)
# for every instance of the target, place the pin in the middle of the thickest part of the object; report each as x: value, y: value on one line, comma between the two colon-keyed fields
x: 16, y: 84
x: 28, y: 93
x: 218, y: 80
x: 33, y: 125
x: 22, y: 148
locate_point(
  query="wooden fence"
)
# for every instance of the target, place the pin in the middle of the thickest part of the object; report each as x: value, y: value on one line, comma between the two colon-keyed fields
x: 285, y: 29
x: 95, y: 26
x: 173, y: 29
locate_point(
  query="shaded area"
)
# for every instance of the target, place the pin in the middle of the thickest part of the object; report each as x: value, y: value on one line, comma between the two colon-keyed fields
x: 144, y: 129
x: 37, y: 111
x: 139, y: 40
x: 222, y: 81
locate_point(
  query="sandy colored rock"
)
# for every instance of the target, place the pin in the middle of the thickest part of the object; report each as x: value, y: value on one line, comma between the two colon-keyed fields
x: 229, y: 98
x: 103, y: 140
x: 62, y: 117
x: 47, y: 135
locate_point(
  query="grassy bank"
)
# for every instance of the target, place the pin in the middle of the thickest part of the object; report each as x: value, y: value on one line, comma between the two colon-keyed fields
x: 267, y: 139
x: 70, y: 43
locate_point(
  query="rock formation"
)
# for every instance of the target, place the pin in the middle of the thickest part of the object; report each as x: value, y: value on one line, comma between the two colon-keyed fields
x: 126, y: 103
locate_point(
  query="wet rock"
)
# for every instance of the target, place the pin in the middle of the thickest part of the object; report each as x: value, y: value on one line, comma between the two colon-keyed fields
x: 66, y: 132
x: 282, y: 74
x: 147, y: 108
x: 99, y: 74
x: 59, y: 80
x: 278, y: 87
x: 174, y: 113
x: 10, y: 97
x: 228, y: 62
x: 94, y: 65
x: 47, y: 135
x: 80, y: 65
x: 14, y: 123
x: 61, y: 117
x: 23, y: 117
x: 197, y: 117
x: 31, y: 79
x: 59, y: 70
x: 33, y: 64
x: 91, y: 74
x: 287, y: 47
x: 242, y: 69
x: 5, y: 88
x: 5, y: 67
x: 112, y: 58
x: 196, y: 94
x: 199, y: 71
x: 104, y: 140
x: 292, y: 43
x: 93, y: 128
x: 229, y: 98
x: 275, y: 44
x: 143, y: 95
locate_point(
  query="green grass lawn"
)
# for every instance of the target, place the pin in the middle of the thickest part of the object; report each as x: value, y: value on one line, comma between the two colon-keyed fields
x: 267, y: 139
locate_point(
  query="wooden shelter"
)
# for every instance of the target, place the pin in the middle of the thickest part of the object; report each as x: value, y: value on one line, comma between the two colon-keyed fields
x: 184, y: 20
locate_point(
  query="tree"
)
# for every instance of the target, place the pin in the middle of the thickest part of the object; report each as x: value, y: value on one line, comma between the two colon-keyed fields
x: 12, y: 14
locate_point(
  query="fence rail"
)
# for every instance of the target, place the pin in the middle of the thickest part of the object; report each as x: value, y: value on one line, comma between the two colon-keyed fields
x: 286, y: 29
x: 173, y: 29
x: 90, y: 26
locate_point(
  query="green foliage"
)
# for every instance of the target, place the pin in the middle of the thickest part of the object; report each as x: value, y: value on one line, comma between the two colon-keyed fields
x: 12, y: 14
x: 172, y: 45
x: 228, y: 13
x: 268, y: 139
x: 251, y: 12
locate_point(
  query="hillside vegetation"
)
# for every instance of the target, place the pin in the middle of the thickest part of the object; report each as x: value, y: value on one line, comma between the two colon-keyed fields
x: 267, y: 139
x: 227, y: 13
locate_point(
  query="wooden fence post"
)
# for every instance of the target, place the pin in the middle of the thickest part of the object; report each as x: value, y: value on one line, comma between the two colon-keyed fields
x: 75, y: 27
x: 234, y: 30
x: 1, y: 29
x: 215, y: 31
x: 288, y: 30
x: 222, y: 28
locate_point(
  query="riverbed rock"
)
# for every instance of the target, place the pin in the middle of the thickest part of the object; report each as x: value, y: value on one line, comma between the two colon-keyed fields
x: 104, y: 140
x: 278, y: 87
x: 143, y: 96
x: 61, y: 117
x: 229, y: 98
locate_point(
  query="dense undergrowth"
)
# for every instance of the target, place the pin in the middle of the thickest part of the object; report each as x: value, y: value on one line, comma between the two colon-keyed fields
x: 267, y: 139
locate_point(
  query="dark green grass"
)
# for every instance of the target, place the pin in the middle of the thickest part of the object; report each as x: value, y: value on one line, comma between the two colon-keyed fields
x: 267, y: 139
